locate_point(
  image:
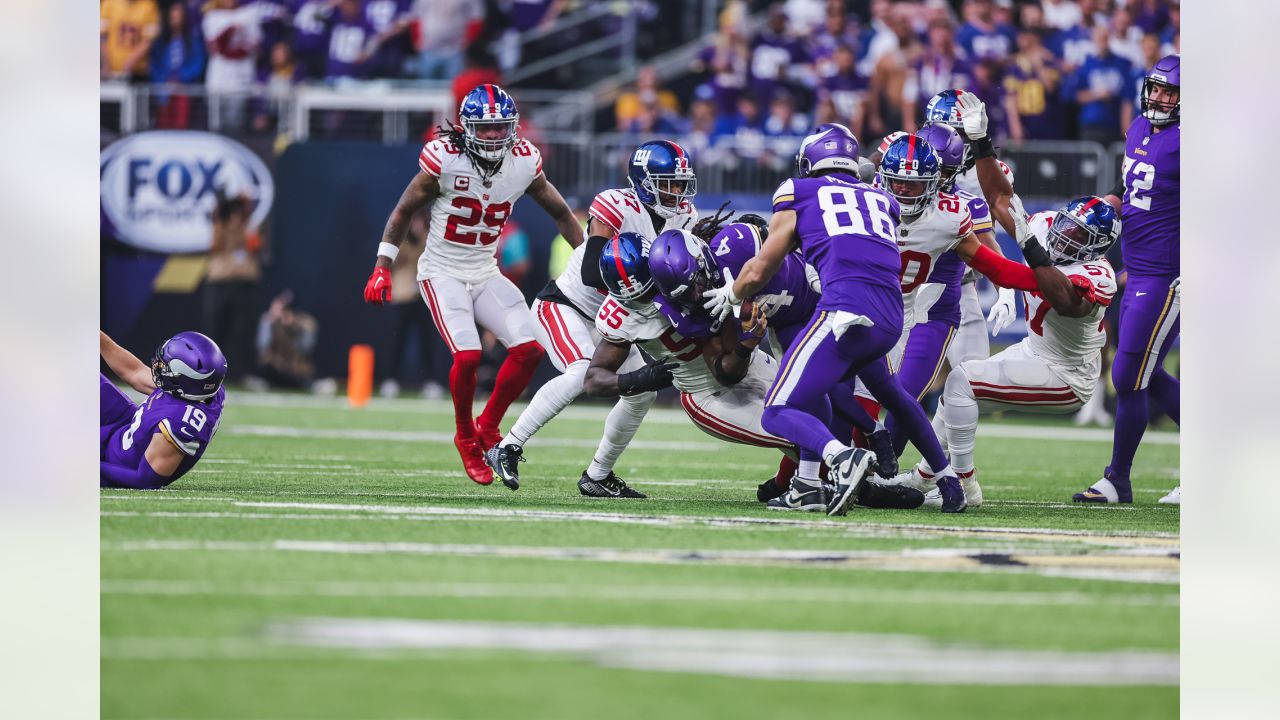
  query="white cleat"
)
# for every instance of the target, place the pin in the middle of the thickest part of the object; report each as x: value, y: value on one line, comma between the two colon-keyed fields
x: 1173, y: 498
x: 972, y: 492
x: 916, y: 479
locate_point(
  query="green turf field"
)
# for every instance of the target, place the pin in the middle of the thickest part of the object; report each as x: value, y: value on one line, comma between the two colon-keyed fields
x: 323, y: 562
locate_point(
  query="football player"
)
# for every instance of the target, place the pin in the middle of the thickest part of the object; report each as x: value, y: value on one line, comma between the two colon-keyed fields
x: 848, y: 231
x: 663, y: 185
x: 150, y: 445
x: 1149, y: 313
x: 471, y: 177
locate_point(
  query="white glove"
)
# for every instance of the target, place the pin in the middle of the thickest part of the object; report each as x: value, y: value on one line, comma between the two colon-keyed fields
x: 811, y: 274
x: 1002, y: 313
x: 1021, y: 224
x: 1176, y: 286
x: 973, y: 116
x: 721, y: 301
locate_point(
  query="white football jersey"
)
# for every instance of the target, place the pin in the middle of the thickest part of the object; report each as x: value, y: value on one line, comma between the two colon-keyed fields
x: 468, y: 215
x: 921, y: 242
x: 1071, y: 346
x: 649, y: 328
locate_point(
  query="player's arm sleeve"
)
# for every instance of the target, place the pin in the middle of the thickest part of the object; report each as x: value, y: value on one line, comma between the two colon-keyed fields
x: 139, y: 478
x: 607, y: 214
x: 1002, y: 271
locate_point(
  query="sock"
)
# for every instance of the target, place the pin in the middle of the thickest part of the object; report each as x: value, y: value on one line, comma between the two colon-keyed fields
x: 786, y: 468
x: 831, y: 449
x: 462, y: 386
x: 961, y: 419
x: 513, y: 377
x: 554, y: 396
x: 808, y: 469
x: 619, y: 427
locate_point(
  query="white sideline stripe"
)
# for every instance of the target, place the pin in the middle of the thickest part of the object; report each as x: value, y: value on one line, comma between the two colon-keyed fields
x: 1165, y: 541
x: 771, y: 654
x: 1015, y: 432
x: 1129, y: 566
x: 647, y: 593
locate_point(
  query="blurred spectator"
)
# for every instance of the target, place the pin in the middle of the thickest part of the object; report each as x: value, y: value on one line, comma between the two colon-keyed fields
x: 1031, y: 85
x: 845, y: 90
x: 805, y: 16
x: 412, y: 321
x: 778, y: 60
x: 938, y: 68
x: 177, y: 58
x: 352, y: 42
x: 1126, y: 38
x: 986, y: 85
x: 702, y: 123
x: 884, y: 94
x: 1031, y: 17
x: 311, y: 35
x: 1061, y: 14
x: 1171, y: 33
x: 783, y: 128
x: 445, y: 27
x: 726, y: 60
x: 742, y: 126
x: 278, y: 78
x: 647, y: 94
x: 880, y: 37
x: 392, y: 21
x: 1151, y: 16
x: 837, y: 32
x: 513, y: 253
x: 1101, y: 86
x: 1075, y: 43
x: 980, y: 36
x: 232, y: 280
x: 650, y: 120
x: 479, y: 68
x: 233, y: 32
x: 1151, y: 53
x: 1004, y: 16
x: 127, y: 29
x: 285, y: 340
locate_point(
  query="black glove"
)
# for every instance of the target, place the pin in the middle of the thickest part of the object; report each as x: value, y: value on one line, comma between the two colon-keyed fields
x: 646, y: 379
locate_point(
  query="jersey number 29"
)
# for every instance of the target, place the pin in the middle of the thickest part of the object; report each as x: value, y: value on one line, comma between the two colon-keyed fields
x: 493, y: 216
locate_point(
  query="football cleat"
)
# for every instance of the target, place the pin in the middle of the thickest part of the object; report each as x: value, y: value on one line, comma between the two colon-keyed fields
x: 768, y: 490
x: 916, y: 478
x: 610, y: 487
x: 504, y: 460
x: 487, y: 437
x: 1173, y: 498
x: 811, y: 499
x: 874, y: 495
x: 850, y: 468
x: 473, y: 459
x: 1107, y: 490
x: 952, y: 493
x: 881, y: 443
x: 972, y: 491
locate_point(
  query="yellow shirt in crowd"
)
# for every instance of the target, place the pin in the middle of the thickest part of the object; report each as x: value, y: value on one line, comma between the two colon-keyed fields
x: 127, y: 24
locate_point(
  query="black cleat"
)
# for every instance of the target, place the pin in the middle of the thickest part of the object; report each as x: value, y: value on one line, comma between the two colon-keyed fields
x: 610, y: 487
x: 503, y: 460
x: 871, y: 494
x: 769, y: 490
x: 953, y: 500
x: 808, y: 499
x: 849, y: 471
x: 880, y: 442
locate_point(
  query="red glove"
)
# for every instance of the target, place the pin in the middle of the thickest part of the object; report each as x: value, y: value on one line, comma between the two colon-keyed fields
x: 378, y: 289
x: 1086, y: 290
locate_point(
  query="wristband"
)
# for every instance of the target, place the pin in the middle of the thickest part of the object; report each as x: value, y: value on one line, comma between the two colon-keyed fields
x: 983, y: 148
x: 387, y: 250
x: 1035, y: 255
x: 743, y: 351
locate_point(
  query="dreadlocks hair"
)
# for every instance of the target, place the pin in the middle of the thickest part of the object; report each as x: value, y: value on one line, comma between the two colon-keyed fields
x: 707, y: 228
x: 454, y: 133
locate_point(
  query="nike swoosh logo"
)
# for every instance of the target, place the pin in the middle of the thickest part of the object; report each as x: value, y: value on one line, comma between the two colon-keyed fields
x: 1139, y: 294
x: 185, y: 431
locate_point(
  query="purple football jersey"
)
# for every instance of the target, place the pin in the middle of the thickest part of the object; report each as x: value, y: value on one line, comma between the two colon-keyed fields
x: 693, y: 323
x: 1150, y: 235
x: 848, y: 231
x: 188, y: 424
x: 788, y: 291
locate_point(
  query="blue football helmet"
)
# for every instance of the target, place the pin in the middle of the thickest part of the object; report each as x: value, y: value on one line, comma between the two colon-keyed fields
x: 624, y: 265
x: 1083, y: 230
x: 942, y: 109
x: 489, y: 118
x: 190, y: 366
x: 911, y: 172
x: 662, y: 176
x: 683, y: 267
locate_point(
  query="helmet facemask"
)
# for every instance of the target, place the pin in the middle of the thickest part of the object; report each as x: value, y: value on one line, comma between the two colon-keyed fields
x: 1160, y: 112
x: 1071, y: 240
x: 914, y: 193
x: 671, y: 191
x: 490, y: 139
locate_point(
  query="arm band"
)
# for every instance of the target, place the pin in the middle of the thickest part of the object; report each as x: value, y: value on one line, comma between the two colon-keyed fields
x: 983, y: 148
x: 591, y: 262
x: 387, y: 250
x: 1002, y: 271
x: 140, y: 478
x: 1118, y: 189
x: 1035, y: 255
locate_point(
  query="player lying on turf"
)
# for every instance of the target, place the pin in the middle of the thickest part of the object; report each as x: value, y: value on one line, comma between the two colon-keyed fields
x: 663, y: 185
x: 1055, y: 369
x: 150, y: 445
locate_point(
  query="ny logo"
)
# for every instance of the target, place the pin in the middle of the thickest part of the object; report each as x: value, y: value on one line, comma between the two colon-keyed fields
x: 641, y: 158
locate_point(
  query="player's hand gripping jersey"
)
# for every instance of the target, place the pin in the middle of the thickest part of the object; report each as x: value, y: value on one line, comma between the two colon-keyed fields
x: 647, y: 327
x: 469, y: 213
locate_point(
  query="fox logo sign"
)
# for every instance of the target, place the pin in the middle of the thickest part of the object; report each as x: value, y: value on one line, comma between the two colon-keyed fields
x: 160, y: 188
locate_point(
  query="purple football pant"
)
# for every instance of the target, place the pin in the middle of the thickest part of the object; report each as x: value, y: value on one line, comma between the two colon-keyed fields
x: 846, y: 412
x: 114, y: 409
x: 1149, y: 320
x: 921, y: 362
x: 913, y: 422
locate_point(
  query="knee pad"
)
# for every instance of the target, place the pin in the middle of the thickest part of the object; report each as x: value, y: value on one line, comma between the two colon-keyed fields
x: 957, y: 391
x: 577, y: 370
x: 640, y: 402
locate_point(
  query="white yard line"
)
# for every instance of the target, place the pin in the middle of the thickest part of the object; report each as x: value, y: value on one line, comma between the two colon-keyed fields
x: 771, y: 654
x: 646, y: 593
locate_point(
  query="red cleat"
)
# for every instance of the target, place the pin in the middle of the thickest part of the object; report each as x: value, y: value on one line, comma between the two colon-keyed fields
x: 487, y: 436
x: 473, y: 459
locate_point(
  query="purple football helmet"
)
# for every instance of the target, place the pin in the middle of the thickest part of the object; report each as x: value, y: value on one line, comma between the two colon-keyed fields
x: 682, y: 267
x: 189, y: 366
x: 831, y: 146
x: 1165, y: 78
x: 951, y: 149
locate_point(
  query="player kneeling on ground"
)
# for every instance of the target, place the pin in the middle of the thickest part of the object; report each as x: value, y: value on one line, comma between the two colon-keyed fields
x: 150, y: 445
